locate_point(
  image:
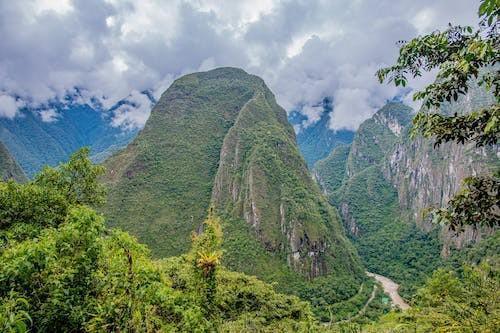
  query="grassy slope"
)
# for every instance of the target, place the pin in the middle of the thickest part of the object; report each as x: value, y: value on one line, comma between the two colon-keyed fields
x: 9, y: 169
x: 161, y: 184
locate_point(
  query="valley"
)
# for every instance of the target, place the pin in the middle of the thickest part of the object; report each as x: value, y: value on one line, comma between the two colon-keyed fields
x: 249, y: 167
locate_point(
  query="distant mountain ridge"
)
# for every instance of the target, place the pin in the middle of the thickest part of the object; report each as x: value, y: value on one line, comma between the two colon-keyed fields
x: 317, y: 140
x: 35, y: 142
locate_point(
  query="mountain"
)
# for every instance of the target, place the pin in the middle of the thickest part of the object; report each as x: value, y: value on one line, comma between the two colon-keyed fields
x: 317, y: 140
x: 35, y: 141
x: 353, y: 179
x: 426, y: 176
x: 9, y: 169
x: 218, y: 140
x: 385, y: 182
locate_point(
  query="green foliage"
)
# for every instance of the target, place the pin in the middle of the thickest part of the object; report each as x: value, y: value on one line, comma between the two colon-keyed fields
x: 77, y: 179
x: 457, y: 52
x: 76, y: 275
x: 13, y: 315
x: 482, y: 126
x: 489, y: 12
x: 31, y: 204
x: 25, y: 209
x: 450, y: 302
x: 486, y: 249
x: 476, y: 203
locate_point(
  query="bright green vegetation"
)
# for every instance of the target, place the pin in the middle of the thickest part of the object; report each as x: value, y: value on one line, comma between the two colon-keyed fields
x: 451, y: 302
x: 333, y: 168
x: 219, y: 138
x: 486, y: 249
x: 63, y: 270
x: 352, y: 177
x: 9, y: 169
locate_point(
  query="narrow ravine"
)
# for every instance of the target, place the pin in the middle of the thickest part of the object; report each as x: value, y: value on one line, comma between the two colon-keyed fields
x: 391, y: 289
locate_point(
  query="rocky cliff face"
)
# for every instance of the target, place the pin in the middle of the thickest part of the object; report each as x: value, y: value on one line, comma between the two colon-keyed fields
x: 9, y: 169
x: 376, y: 136
x: 423, y: 176
x: 426, y: 177
x: 263, y: 179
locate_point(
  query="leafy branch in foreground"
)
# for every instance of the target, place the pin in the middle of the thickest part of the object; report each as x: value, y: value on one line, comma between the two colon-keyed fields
x: 461, y: 55
x: 476, y: 203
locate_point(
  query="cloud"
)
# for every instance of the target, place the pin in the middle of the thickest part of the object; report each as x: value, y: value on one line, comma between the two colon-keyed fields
x: 134, y: 112
x: 304, y: 50
x: 9, y: 106
x: 49, y: 115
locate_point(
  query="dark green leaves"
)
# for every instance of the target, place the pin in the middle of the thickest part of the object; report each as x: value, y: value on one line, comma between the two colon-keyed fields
x: 476, y: 204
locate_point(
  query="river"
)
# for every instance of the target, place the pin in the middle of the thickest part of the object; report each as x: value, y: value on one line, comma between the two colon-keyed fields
x: 391, y: 289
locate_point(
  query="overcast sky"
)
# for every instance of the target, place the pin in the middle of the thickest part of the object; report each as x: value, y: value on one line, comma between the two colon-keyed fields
x: 304, y: 50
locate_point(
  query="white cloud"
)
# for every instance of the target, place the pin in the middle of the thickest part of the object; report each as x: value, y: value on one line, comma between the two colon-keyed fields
x: 133, y: 114
x: 8, y: 106
x: 304, y: 50
x: 49, y: 115
x: 313, y: 114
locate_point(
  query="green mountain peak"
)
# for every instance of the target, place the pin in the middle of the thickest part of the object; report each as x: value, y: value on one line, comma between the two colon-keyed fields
x: 219, y: 139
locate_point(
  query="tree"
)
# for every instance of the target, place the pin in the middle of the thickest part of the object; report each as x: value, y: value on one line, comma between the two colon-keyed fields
x: 77, y: 180
x: 461, y: 54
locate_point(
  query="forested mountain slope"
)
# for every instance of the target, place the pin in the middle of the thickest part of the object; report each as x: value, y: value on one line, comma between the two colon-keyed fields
x: 218, y: 139
x: 353, y: 179
x: 36, y: 142
x: 385, y: 183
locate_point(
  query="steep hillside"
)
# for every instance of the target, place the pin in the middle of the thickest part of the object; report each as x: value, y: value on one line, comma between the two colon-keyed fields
x: 9, y: 169
x: 426, y: 177
x: 376, y: 136
x: 219, y: 138
x: 331, y: 171
x: 391, y: 180
x: 35, y: 142
x: 368, y: 202
x: 317, y: 140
